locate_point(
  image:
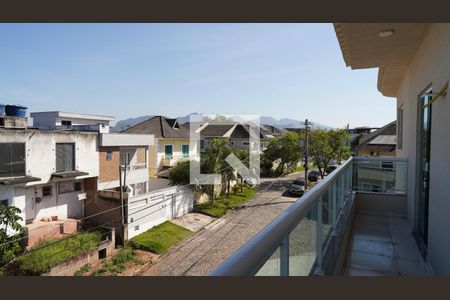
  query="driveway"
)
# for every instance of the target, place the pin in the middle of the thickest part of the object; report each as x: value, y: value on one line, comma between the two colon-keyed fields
x: 204, y: 250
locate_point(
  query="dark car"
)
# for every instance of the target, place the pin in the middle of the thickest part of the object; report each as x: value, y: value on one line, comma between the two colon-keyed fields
x: 313, y: 175
x: 330, y: 169
x: 297, y: 187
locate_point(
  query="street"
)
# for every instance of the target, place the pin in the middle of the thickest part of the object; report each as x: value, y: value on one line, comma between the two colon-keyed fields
x: 204, y: 250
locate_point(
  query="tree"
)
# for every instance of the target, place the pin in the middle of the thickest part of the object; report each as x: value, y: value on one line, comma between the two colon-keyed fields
x: 179, y: 175
x: 326, y: 146
x: 285, y: 149
x: 213, y: 161
x: 10, y: 233
x: 339, y: 144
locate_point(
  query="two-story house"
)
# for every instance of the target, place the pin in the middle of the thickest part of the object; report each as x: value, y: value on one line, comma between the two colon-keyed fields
x: 172, y: 143
x: 46, y: 174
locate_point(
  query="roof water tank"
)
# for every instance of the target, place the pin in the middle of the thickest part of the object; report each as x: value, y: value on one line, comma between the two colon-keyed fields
x: 2, y: 110
x: 15, y: 110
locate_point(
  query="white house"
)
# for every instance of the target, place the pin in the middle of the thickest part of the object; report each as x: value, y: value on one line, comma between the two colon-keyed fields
x: 51, y: 120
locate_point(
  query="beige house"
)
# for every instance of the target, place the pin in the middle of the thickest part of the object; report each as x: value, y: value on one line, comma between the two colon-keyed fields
x: 171, y: 143
x: 414, y: 68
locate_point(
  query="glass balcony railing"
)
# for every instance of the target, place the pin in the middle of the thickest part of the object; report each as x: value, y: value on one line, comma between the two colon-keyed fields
x: 380, y: 175
x: 305, y: 239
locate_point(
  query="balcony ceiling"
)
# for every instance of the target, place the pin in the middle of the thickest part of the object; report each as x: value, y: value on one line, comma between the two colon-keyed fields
x: 362, y: 48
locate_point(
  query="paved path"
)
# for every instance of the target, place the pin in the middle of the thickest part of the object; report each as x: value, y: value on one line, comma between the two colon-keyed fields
x: 204, y: 250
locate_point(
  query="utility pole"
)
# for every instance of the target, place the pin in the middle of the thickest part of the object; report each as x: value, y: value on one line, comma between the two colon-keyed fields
x: 306, y: 154
x: 121, y: 193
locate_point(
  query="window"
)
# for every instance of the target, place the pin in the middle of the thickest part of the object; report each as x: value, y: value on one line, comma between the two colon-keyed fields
x: 109, y: 155
x: 168, y: 151
x: 4, y: 202
x: 400, y: 128
x: 245, y: 143
x: 65, y: 157
x: 12, y: 159
x: 47, y: 190
x: 66, y: 123
x: 124, y: 159
x: 141, y: 156
x: 185, y: 150
x: 202, y: 144
x: 77, y: 186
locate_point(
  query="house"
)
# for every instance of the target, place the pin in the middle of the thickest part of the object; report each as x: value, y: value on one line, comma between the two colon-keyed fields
x: 46, y: 174
x: 410, y: 212
x: 237, y: 134
x: 381, y: 142
x: 172, y: 143
x: 124, y: 161
x: 360, y: 131
x: 53, y: 120
x: 67, y: 177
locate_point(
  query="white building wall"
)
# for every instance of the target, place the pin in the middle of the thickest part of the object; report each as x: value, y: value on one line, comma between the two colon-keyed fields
x: 41, y: 154
x: 431, y: 65
x: 148, y: 210
x: 41, y: 163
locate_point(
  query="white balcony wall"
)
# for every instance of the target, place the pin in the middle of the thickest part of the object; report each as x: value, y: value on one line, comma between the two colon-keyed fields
x: 430, y: 66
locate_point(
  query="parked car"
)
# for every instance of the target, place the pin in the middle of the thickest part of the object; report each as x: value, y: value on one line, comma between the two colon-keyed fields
x: 297, y: 187
x: 313, y: 175
x: 330, y: 169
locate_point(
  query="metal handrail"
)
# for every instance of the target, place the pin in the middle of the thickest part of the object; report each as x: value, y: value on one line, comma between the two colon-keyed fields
x: 250, y: 257
x: 380, y: 158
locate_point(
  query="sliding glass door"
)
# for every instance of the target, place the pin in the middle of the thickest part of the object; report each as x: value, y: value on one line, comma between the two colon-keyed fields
x: 423, y: 183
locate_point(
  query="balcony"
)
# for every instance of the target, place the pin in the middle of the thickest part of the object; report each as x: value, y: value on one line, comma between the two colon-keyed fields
x: 352, y: 223
x: 170, y: 160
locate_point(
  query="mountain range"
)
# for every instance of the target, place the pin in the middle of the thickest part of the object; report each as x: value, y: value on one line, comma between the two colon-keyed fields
x: 281, y: 123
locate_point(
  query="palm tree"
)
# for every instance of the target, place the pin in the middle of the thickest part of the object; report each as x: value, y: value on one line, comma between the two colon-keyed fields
x: 213, y: 161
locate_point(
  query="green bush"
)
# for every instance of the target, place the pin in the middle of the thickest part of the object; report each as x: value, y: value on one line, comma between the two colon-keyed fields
x: 83, y: 270
x: 49, y: 252
x: 160, y: 238
x: 222, y: 204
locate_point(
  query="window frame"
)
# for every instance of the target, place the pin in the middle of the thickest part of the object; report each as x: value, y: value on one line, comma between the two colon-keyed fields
x: 165, y: 155
x: 24, y: 161
x: 65, y: 156
x: 51, y: 191
x: 182, y: 153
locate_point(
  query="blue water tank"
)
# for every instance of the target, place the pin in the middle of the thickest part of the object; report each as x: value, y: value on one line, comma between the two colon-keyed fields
x: 2, y: 110
x: 16, y: 110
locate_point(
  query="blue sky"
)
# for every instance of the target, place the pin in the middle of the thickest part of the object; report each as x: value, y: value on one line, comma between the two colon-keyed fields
x: 129, y: 70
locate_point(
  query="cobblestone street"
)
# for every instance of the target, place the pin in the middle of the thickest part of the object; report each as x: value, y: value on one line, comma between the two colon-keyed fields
x: 204, y: 250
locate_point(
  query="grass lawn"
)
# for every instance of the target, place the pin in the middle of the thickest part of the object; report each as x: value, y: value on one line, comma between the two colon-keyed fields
x: 37, y: 261
x: 160, y: 238
x: 222, y: 204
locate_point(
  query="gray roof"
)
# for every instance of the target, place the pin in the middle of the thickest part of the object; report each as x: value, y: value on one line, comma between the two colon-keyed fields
x: 382, y: 139
x: 215, y: 130
x: 160, y: 127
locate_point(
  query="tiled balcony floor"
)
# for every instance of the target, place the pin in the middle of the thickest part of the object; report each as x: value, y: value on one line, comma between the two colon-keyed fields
x: 383, y: 246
